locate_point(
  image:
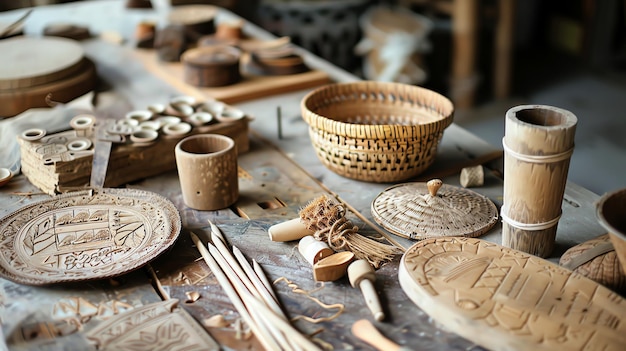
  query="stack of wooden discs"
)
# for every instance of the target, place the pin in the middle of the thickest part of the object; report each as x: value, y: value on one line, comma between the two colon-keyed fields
x: 32, y: 68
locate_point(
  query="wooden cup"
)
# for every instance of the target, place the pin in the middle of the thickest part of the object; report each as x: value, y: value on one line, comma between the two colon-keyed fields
x: 207, y: 168
x: 611, y: 211
x: 538, y: 143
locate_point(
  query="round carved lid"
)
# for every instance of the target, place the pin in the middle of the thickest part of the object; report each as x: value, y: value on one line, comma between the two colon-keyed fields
x: 423, y: 210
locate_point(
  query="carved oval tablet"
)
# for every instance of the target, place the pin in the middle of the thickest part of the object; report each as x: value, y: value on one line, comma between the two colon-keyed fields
x: 86, y: 235
x: 504, y: 299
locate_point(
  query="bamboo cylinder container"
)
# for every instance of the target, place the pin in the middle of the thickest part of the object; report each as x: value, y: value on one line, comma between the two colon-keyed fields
x: 538, y: 143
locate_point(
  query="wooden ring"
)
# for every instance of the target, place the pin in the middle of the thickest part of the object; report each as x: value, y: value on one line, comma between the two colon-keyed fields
x: 78, y: 144
x: 230, y: 114
x: 139, y: 115
x: 33, y: 134
x: 166, y: 120
x: 200, y: 118
x: 178, y: 129
x: 150, y: 125
x: 144, y: 136
x: 82, y: 122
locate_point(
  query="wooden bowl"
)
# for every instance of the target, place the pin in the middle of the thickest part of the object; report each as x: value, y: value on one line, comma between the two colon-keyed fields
x: 5, y: 176
x: 610, y: 211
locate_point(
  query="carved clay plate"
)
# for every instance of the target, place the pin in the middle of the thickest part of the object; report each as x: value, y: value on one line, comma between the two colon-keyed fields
x: 504, y: 299
x: 86, y: 235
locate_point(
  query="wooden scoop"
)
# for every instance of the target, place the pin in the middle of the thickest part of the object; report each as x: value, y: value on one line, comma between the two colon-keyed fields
x: 365, y: 330
x: 332, y: 267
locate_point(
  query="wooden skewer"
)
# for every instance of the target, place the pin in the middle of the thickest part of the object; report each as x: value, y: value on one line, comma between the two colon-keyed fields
x: 258, y: 284
x: 365, y: 330
x: 217, y: 232
x: 259, y: 272
x: 244, y: 271
x: 238, y: 282
x: 232, y: 263
x: 266, y: 340
x: 284, y: 326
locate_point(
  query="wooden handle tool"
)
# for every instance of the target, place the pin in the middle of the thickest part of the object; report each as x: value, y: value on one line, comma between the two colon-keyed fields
x: 293, y: 229
x: 361, y: 275
x: 366, y: 331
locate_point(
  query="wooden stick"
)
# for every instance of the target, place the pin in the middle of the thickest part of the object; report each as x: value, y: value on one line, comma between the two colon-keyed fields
x: 243, y: 270
x: 261, y: 274
x: 216, y: 230
x: 246, y: 296
x: 265, y: 340
x: 284, y: 326
x: 258, y: 284
x: 232, y: 263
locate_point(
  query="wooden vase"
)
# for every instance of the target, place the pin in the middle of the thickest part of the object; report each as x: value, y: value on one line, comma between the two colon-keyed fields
x: 538, y: 144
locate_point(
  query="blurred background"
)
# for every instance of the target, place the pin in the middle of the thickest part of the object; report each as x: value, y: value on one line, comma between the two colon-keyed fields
x: 485, y: 55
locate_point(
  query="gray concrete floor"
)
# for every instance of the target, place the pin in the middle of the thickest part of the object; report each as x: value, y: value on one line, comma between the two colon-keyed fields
x: 599, y: 102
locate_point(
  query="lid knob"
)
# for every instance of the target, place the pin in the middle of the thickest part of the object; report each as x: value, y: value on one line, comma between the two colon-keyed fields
x: 433, y: 186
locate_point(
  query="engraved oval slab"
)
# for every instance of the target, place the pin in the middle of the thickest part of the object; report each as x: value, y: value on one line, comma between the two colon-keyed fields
x: 504, y: 299
x: 86, y: 235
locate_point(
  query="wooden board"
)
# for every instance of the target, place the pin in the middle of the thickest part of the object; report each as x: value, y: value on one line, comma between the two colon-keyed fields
x: 504, y: 299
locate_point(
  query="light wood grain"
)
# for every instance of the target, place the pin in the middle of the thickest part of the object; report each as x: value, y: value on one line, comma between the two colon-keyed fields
x: 525, y: 302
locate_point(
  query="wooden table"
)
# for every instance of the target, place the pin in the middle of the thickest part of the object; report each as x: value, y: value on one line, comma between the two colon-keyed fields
x: 278, y: 176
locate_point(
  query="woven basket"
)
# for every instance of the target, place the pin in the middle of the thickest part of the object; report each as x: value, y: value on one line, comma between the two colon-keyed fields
x: 375, y: 131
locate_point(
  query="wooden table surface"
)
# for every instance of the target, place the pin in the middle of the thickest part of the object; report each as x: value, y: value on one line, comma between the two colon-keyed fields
x: 277, y: 170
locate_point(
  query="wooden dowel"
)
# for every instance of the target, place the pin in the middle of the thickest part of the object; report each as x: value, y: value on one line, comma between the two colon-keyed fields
x: 217, y: 232
x: 232, y: 263
x: 238, y: 282
x: 261, y: 274
x: 258, y: 284
x: 265, y: 340
x: 284, y: 326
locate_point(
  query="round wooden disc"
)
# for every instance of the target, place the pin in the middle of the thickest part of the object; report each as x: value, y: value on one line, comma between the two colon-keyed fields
x: 27, y: 62
x: 15, y: 101
x: 472, y: 286
x: 410, y: 211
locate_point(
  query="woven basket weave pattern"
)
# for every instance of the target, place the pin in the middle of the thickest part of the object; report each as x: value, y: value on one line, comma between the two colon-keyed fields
x: 373, y: 131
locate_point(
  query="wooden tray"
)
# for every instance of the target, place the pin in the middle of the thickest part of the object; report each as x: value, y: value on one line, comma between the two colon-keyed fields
x: 86, y: 235
x: 504, y: 299
x: 250, y: 87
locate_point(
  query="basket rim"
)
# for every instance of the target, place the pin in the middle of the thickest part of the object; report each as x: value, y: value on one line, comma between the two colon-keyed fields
x: 372, y: 130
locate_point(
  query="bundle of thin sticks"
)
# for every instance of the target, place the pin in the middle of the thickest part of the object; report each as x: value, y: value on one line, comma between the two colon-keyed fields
x: 327, y: 218
x: 252, y: 295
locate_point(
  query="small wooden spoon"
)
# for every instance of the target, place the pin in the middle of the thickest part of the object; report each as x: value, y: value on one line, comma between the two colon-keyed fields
x: 366, y: 331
